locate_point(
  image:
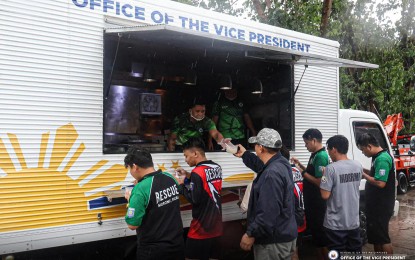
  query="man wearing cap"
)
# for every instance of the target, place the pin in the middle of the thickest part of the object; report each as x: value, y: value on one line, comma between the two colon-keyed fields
x: 272, y: 229
x: 192, y: 125
x: 231, y: 117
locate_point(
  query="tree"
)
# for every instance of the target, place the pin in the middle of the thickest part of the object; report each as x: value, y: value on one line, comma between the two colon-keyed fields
x: 364, y: 34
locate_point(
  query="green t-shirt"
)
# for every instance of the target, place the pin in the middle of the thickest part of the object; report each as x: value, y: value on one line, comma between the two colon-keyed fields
x: 231, y: 121
x: 185, y: 129
x: 154, y: 207
x: 138, y: 202
x: 321, y: 160
x: 383, y: 165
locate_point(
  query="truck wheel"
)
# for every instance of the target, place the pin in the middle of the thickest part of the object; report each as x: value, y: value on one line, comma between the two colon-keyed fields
x: 363, y: 230
x: 402, y: 183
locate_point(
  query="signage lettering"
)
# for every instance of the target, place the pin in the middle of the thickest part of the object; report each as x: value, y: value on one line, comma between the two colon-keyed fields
x: 134, y: 11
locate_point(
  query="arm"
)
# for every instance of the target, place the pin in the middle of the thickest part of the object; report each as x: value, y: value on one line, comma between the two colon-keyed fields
x: 312, y: 179
x: 302, y: 168
x: 382, y: 168
x: 193, y: 191
x: 320, y: 161
x: 326, y: 186
x: 136, y: 208
x: 132, y: 227
x: 210, y: 143
x: 373, y: 181
x: 216, y: 135
x: 325, y: 194
x: 249, y: 124
x: 251, y: 160
x: 298, y: 164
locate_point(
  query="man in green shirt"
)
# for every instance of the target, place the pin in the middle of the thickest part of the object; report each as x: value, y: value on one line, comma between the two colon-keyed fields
x: 192, y: 125
x: 380, y: 192
x: 154, y: 209
x: 230, y: 115
x: 315, y: 205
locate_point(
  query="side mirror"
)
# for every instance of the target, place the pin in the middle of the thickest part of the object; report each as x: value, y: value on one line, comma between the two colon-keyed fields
x: 412, y: 144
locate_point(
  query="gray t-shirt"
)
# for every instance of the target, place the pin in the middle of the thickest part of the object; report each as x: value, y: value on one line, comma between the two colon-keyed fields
x: 342, y: 179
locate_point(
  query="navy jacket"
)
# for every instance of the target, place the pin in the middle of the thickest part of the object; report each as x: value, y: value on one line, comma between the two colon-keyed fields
x: 271, y: 216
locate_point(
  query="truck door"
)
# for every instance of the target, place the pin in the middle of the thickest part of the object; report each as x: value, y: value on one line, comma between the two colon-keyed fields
x: 359, y: 127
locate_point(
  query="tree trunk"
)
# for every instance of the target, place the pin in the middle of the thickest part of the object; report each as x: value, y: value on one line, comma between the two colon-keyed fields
x: 259, y: 10
x: 325, y: 15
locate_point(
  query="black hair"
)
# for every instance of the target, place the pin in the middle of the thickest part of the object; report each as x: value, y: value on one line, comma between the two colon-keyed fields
x: 271, y: 150
x: 285, y: 152
x: 339, y: 142
x: 198, y: 101
x: 138, y: 157
x: 366, y: 139
x: 313, y: 133
x: 195, y: 143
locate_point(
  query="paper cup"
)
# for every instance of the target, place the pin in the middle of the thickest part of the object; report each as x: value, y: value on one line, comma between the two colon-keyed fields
x: 231, y: 148
x: 128, y: 190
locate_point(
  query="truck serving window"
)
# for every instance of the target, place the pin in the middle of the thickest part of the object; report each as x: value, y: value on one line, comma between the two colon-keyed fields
x: 149, y: 81
x: 360, y: 128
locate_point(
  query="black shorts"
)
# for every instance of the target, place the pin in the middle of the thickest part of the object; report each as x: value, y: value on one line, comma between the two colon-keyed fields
x: 155, y: 252
x: 203, y: 249
x: 315, y: 219
x: 344, y: 240
x: 378, y: 229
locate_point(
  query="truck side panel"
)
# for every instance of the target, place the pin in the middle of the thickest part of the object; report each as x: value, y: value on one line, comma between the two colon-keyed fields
x: 53, y: 174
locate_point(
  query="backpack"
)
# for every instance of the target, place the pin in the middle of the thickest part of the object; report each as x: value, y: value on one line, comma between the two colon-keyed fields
x: 299, y: 210
x: 298, y: 205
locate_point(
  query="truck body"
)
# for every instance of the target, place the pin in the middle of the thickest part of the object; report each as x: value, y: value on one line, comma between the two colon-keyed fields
x: 403, y: 147
x: 84, y: 80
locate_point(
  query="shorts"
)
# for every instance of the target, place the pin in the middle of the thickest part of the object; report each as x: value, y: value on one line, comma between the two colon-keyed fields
x: 378, y: 229
x: 203, y: 249
x: 282, y: 251
x: 344, y: 240
x: 315, y: 219
x: 155, y: 252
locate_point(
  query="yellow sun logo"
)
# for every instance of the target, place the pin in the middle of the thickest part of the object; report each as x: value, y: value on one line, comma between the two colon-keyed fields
x: 52, y: 191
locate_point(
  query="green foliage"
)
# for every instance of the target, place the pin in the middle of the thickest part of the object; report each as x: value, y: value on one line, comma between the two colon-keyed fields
x: 365, y: 34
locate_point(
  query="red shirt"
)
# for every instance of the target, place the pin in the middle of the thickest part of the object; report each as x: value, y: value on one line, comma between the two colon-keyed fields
x: 203, y: 193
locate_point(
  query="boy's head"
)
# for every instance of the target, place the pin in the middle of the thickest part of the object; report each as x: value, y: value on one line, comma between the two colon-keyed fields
x: 368, y: 144
x: 136, y: 159
x: 194, y: 151
x: 337, y: 145
x: 312, y: 139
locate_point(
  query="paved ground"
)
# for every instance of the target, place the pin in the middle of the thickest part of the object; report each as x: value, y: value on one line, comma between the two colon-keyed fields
x: 402, y: 231
x: 401, y: 228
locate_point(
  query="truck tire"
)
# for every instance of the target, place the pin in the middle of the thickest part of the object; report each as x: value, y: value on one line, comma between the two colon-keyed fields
x: 363, y: 229
x: 402, y: 183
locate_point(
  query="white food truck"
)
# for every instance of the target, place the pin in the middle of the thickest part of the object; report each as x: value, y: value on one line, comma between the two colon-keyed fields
x: 81, y: 81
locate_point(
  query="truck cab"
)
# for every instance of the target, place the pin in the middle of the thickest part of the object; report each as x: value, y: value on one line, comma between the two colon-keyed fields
x: 352, y: 124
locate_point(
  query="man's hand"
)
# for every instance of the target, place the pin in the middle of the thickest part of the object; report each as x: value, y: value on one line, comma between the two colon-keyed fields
x: 127, y: 194
x: 247, y: 242
x: 223, y: 142
x: 297, y: 163
x: 241, y: 151
x: 182, y: 172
